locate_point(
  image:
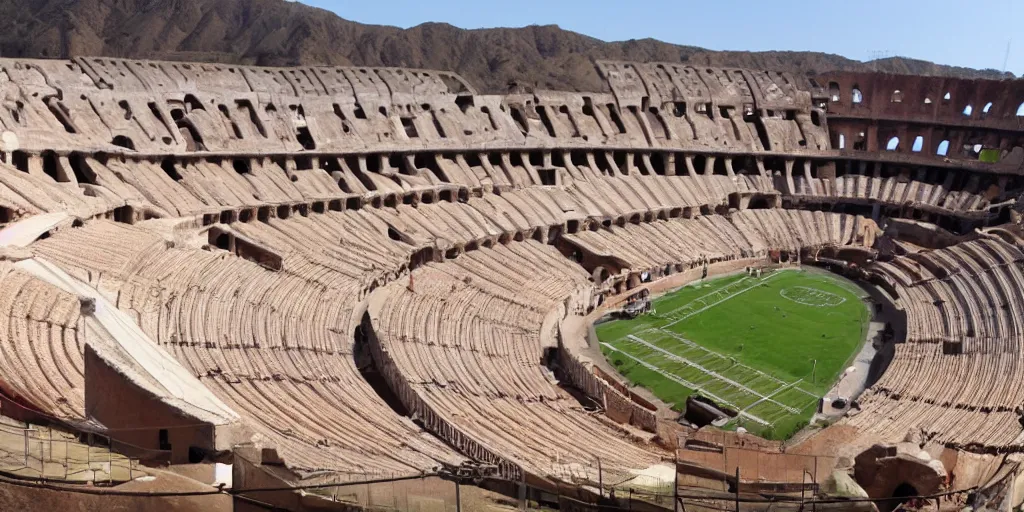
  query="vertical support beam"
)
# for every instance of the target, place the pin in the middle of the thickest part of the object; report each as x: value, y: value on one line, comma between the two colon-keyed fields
x: 522, y: 490
x: 737, y: 484
x: 809, y: 179
x: 631, y: 167
x: 458, y: 497
x: 675, y: 481
x: 814, y: 478
x: 790, y: 186
x: 690, y: 171
x: 803, y: 487
x: 369, y: 491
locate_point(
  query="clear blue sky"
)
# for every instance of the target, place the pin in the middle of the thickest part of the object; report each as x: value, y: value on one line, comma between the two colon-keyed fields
x: 970, y: 33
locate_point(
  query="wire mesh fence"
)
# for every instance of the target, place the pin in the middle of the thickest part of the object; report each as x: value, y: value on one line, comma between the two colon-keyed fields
x: 40, y: 452
x: 436, y: 493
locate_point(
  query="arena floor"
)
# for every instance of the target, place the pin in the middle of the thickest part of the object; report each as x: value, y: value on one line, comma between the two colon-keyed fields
x: 768, y: 347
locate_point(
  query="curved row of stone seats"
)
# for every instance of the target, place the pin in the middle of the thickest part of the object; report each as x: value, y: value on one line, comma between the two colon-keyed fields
x: 25, y: 194
x: 893, y: 190
x: 41, y: 353
x: 248, y: 189
x: 657, y: 244
x: 276, y: 346
x: 968, y: 292
x: 968, y: 428
x: 637, y: 193
x: 89, y: 187
x: 749, y: 233
x: 794, y: 230
x: 463, y: 343
x: 926, y: 321
x: 925, y: 373
x: 114, y: 105
x: 348, y: 249
x: 956, y: 376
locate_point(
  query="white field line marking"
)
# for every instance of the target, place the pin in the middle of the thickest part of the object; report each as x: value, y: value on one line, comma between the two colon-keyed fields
x: 773, y: 393
x: 713, y: 304
x: 804, y: 295
x: 700, y: 299
x: 708, y: 371
x: 679, y: 380
x: 693, y: 344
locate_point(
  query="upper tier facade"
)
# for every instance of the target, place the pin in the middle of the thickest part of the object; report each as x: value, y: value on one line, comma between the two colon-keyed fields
x: 920, y: 118
x: 160, y: 108
x: 145, y: 108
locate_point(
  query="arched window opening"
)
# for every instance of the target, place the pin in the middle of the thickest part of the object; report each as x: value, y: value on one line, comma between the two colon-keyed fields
x: 927, y: 101
x: 976, y: 149
x: 968, y: 110
x: 986, y: 108
x: 897, y: 96
x: 833, y: 91
x: 860, y: 143
x: 947, y: 97
x: 1020, y: 110
x: 918, y: 144
x: 856, y: 95
x: 842, y: 141
x: 193, y: 103
x: 124, y: 142
x: 893, y: 144
x: 943, y: 148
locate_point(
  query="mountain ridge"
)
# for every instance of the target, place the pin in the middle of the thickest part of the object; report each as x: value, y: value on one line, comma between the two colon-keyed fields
x: 281, y: 33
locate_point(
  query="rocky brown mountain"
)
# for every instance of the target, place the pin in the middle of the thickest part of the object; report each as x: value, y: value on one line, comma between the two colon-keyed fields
x: 280, y: 33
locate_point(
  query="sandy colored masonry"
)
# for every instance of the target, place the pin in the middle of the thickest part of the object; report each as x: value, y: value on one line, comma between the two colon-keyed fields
x: 363, y: 271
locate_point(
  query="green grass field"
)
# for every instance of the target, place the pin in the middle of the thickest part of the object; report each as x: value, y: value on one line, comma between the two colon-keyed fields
x: 747, y: 343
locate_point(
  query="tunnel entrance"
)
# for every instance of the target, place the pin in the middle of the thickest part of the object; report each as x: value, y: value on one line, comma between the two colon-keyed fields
x: 901, y: 495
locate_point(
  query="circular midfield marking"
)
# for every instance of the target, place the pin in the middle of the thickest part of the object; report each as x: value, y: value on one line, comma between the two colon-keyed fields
x: 812, y: 296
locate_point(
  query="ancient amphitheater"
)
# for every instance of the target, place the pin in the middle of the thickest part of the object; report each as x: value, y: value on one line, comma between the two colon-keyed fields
x: 336, y: 274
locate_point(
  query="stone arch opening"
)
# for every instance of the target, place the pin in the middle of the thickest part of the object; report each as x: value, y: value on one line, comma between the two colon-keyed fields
x: 904, y: 491
x: 860, y: 142
x: 918, y: 144
x: 943, y: 148
x: 124, y: 142
x: 1020, y: 110
x: 856, y: 96
x: 833, y: 91
x: 842, y: 141
x: 893, y: 144
x: 188, y: 132
x: 968, y: 110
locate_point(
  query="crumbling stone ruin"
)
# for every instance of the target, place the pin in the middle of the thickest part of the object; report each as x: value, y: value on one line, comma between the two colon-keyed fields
x: 228, y: 249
